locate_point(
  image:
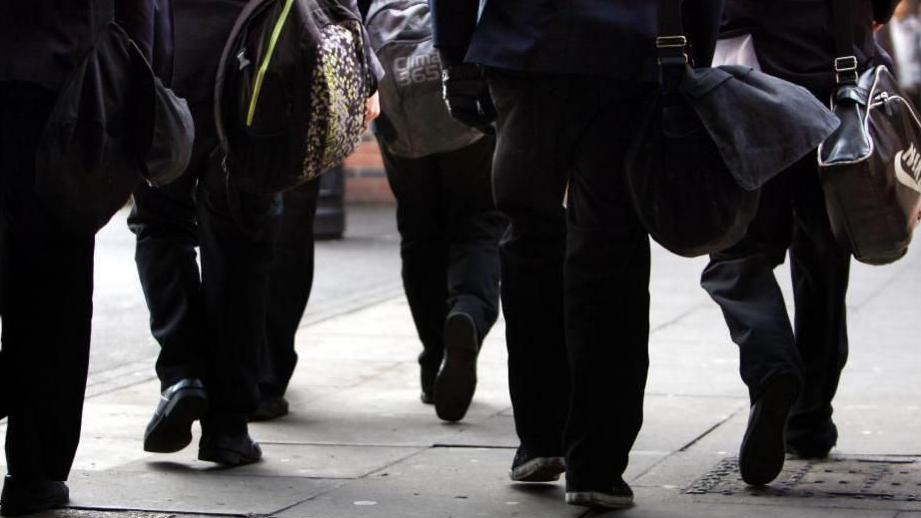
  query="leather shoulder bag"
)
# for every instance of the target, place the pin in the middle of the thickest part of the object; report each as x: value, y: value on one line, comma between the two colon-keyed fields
x: 871, y: 166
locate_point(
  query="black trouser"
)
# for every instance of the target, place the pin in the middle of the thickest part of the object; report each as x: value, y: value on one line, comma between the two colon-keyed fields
x: 291, y: 280
x: 450, y: 236
x: 210, y: 326
x: 793, y: 217
x: 553, y: 129
x: 48, y: 294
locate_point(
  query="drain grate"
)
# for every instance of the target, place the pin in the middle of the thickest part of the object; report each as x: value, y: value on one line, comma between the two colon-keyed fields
x: 876, y: 478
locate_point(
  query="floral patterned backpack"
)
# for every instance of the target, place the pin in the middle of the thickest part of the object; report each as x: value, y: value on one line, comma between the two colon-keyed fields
x: 290, y: 92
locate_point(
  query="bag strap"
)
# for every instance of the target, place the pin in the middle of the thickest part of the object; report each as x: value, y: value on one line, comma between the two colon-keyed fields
x: 102, y: 13
x: 845, y: 62
x: 671, y: 45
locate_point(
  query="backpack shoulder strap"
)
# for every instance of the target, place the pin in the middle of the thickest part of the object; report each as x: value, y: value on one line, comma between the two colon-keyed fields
x: 845, y: 59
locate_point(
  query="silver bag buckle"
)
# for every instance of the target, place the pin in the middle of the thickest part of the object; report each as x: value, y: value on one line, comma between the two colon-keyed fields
x: 846, y: 69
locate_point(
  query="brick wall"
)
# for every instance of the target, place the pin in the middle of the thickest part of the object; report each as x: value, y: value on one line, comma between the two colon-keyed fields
x: 365, y: 181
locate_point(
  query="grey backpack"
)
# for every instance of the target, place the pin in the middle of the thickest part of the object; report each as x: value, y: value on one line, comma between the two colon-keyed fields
x: 414, y: 121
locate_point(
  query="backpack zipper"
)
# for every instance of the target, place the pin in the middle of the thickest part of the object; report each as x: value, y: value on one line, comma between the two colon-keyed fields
x: 264, y: 66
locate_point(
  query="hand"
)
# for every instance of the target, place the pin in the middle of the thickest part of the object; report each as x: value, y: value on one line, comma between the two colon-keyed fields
x: 466, y: 94
x: 372, y: 108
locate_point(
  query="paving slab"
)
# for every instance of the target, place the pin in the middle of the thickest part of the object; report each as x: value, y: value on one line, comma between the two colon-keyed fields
x: 678, y: 470
x: 358, y: 428
x: 673, y: 422
x: 313, y: 372
x: 441, y: 482
x: 78, y: 513
x: 656, y: 504
x: 287, y: 460
x: 189, y: 491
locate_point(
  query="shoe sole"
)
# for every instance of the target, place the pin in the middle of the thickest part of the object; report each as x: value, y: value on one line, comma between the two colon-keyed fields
x: 227, y: 458
x: 172, y: 431
x: 763, y: 451
x: 598, y: 499
x: 456, y: 382
x: 543, y: 469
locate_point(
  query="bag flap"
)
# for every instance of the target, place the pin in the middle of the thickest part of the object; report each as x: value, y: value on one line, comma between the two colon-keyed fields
x: 761, y: 124
x: 699, y: 82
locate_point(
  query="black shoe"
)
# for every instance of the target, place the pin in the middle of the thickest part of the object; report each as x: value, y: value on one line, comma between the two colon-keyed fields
x: 427, y: 381
x: 170, y: 429
x: 812, y: 445
x: 619, y: 497
x: 763, y: 449
x: 21, y: 498
x: 271, y: 407
x: 456, y: 381
x: 528, y: 468
x: 229, y: 451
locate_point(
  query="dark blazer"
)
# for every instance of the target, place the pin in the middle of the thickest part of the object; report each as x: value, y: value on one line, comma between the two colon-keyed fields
x: 42, y: 40
x: 795, y: 39
x: 612, y: 38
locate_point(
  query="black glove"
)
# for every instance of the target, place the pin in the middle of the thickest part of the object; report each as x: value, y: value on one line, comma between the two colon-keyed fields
x: 466, y: 93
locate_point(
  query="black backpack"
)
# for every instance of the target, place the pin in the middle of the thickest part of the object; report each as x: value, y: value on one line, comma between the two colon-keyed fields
x: 290, y: 92
x: 414, y: 120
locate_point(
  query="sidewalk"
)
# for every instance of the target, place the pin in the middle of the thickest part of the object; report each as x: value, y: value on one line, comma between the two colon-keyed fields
x: 360, y: 444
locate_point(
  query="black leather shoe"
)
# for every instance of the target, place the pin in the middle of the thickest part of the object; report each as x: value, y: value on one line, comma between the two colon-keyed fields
x: 763, y: 451
x: 170, y: 429
x: 271, y: 407
x: 229, y: 450
x: 21, y: 498
x: 456, y: 381
x: 531, y: 468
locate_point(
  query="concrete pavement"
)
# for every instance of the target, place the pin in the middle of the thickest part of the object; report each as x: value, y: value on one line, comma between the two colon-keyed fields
x: 360, y: 444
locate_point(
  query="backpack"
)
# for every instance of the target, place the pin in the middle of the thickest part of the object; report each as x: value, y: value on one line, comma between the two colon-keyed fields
x: 414, y: 120
x: 290, y: 92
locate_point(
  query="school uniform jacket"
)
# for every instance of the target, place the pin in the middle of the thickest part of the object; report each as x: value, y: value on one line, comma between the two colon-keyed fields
x: 611, y: 38
x: 795, y: 39
x: 42, y: 40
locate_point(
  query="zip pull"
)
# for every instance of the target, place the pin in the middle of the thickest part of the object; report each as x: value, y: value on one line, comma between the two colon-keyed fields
x: 886, y: 103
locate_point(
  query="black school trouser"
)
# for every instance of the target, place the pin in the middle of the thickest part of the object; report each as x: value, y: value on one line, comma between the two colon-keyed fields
x: 290, y: 283
x: 793, y: 217
x: 590, y: 262
x: 210, y: 323
x: 449, y: 230
x: 47, y: 303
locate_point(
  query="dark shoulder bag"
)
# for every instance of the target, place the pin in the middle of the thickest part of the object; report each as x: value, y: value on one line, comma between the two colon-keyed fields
x: 710, y: 139
x: 871, y: 166
x: 112, y: 125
